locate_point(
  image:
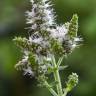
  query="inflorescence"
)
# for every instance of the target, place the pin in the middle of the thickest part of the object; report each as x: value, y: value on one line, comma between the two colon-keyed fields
x: 47, y: 41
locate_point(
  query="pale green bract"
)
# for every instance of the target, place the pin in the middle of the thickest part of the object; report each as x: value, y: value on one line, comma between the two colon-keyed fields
x: 48, y: 44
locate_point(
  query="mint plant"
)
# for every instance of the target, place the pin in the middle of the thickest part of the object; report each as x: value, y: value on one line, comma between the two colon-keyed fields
x: 46, y: 46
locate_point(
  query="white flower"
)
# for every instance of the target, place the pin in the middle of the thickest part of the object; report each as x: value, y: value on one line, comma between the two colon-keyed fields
x: 62, y: 31
x: 74, y: 45
x: 48, y: 58
x: 31, y: 15
x: 49, y: 15
x: 59, y: 33
x: 36, y: 40
x: 34, y: 26
x: 32, y: 1
x: 43, y: 68
x: 77, y: 39
x: 45, y: 0
x: 21, y: 64
x: 40, y: 11
x: 24, y: 61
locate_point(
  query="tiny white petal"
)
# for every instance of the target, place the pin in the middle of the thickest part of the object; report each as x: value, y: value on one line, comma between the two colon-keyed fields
x: 59, y: 33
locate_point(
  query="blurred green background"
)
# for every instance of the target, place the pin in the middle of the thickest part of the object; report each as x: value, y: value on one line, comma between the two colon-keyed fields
x: 82, y: 60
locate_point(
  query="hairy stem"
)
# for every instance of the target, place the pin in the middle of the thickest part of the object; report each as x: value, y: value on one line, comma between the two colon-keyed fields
x: 65, y: 92
x: 50, y: 89
x: 57, y: 77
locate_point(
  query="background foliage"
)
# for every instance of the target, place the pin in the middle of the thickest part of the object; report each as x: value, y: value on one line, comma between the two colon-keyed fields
x: 82, y: 60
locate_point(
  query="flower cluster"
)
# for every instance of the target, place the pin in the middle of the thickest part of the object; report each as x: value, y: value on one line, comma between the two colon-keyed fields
x: 47, y: 40
x: 72, y: 81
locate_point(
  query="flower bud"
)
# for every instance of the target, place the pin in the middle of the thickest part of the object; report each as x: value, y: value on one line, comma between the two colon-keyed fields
x: 72, y: 81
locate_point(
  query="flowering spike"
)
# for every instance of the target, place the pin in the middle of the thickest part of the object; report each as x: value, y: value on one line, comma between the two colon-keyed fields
x: 47, y: 43
x: 21, y: 42
x: 73, y: 26
x: 72, y: 81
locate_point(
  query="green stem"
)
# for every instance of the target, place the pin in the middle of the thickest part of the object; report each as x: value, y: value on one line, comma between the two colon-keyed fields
x: 65, y: 92
x: 50, y: 89
x: 57, y: 77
